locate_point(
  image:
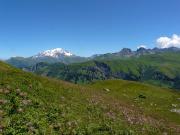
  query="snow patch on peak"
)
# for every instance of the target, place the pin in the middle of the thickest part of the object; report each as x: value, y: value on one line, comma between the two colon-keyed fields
x: 56, y: 53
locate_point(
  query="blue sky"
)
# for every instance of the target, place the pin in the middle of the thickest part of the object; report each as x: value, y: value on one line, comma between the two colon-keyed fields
x: 84, y: 27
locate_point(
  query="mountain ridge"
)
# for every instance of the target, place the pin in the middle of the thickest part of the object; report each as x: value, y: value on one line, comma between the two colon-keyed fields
x: 61, y: 55
x: 124, y: 51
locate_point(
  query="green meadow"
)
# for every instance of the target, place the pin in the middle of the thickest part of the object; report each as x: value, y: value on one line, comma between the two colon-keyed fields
x: 30, y: 104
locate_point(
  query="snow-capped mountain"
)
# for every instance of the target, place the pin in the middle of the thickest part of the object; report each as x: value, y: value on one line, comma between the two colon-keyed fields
x: 48, y: 56
x: 54, y: 53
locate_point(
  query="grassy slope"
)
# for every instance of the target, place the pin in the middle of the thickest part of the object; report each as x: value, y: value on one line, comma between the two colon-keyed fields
x: 154, y: 109
x: 33, y: 104
x: 157, y: 101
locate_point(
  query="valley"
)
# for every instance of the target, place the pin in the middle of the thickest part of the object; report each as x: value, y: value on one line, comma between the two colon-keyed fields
x: 161, y: 68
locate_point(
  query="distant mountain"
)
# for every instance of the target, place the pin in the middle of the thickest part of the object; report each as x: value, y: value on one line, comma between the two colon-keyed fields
x: 126, y: 52
x: 49, y: 56
x: 54, y: 53
x: 66, y: 57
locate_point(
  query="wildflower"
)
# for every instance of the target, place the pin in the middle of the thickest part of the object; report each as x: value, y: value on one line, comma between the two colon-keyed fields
x: 1, y: 112
x: 1, y: 90
x: 2, y: 101
x: 23, y: 94
x: 1, y: 128
x: 8, y: 87
x: 26, y: 102
x: 106, y: 89
x: 29, y: 124
x: 6, y: 91
x: 20, y: 110
x: 18, y: 91
x: 31, y: 129
x: 30, y: 86
x: 57, y: 126
x: 174, y: 105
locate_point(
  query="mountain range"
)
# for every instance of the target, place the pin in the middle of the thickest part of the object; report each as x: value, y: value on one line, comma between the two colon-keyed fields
x: 154, y: 66
x: 66, y: 57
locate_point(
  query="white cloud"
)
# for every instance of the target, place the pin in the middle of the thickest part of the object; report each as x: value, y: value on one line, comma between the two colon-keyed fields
x: 142, y: 46
x: 166, y: 42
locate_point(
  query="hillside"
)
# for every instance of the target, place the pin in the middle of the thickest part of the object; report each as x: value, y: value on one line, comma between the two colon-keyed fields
x: 161, y: 69
x: 30, y: 104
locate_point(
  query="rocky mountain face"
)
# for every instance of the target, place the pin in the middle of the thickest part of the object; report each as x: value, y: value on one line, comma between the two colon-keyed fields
x: 126, y: 52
